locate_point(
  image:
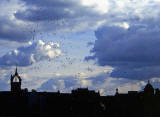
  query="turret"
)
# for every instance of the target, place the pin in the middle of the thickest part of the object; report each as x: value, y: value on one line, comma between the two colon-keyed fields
x: 15, y: 85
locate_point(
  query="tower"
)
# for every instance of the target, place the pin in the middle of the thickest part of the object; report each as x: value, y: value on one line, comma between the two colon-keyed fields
x: 15, y: 81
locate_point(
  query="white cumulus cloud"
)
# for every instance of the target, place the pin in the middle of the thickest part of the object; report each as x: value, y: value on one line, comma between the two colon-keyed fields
x: 32, y: 53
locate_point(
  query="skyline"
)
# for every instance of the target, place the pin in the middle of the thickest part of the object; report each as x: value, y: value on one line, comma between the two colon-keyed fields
x: 63, y: 45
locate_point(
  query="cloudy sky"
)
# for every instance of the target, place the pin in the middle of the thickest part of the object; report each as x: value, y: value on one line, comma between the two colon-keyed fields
x: 66, y: 44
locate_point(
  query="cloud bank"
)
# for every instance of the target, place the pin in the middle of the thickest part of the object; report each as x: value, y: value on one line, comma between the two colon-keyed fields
x: 21, y: 20
x: 10, y: 27
x: 102, y: 82
x: 32, y: 53
x: 133, y: 52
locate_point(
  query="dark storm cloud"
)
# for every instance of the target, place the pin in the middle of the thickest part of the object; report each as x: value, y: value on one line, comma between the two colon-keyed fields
x: 10, y: 28
x: 49, y: 3
x: 133, y: 52
x: 45, y: 14
x: 40, y: 10
x: 11, y: 31
x: 60, y: 16
x: 67, y: 16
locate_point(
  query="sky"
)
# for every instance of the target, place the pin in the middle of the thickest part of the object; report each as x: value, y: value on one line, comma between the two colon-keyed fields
x: 66, y: 44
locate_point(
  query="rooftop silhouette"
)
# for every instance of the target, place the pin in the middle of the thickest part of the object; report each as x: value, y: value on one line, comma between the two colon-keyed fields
x: 81, y: 102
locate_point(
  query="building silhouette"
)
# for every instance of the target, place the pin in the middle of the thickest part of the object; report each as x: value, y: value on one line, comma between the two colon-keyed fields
x: 81, y: 102
x: 15, y: 81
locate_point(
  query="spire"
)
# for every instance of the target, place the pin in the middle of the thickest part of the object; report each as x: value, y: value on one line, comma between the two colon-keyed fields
x: 148, y: 81
x: 16, y: 73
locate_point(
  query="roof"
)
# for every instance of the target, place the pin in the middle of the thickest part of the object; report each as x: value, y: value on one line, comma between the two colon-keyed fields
x: 148, y: 86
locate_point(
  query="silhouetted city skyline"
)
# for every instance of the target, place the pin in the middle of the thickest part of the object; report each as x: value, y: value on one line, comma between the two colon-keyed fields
x: 81, y: 102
